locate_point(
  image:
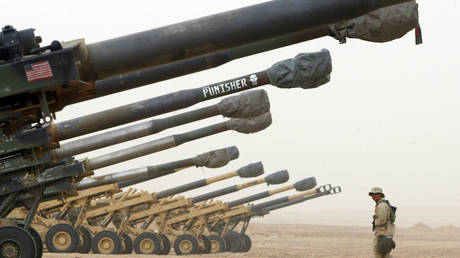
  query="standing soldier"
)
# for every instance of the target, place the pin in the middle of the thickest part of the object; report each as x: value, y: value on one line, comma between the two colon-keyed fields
x: 383, y: 224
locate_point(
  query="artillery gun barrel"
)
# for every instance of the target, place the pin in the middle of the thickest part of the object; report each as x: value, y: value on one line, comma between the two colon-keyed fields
x: 212, y: 159
x: 323, y: 188
x: 275, y: 178
x: 246, y: 104
x: 220, y: 31
x: 341, y: 31
x: 306, y: 70
x: 334, y: 190
x: 251, y: 170
x: 242, y: 125
x: 302, y: 185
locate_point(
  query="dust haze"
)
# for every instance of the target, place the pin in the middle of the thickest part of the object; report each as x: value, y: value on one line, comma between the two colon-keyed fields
x: 389, y: 116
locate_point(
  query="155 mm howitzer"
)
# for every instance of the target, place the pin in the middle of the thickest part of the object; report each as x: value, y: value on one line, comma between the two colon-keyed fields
x: 240, y: 241
x: 121, y: 209
x: 63, y: 223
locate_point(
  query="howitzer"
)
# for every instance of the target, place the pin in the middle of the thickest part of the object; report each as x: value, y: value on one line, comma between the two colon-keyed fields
x: 72, y: 67
x: 382, y: 25
x: 28, y: 151
x: 149, y: 207
x: 222, y: 219
x: 176, y: 207
x: 42, y: 80
x: 240, y: 241
x: 243, y: 105
x: 74, y: 211
x: 187, y: 224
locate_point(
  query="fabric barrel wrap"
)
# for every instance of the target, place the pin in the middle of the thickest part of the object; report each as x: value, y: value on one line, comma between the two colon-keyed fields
x: 217, y: 158
x: 305, y: 184
x: 383, y: 25
x: 250, y: 125
x: 306, y: 70
x: 245, y: 105
x: 251, y: 170
x: 279, y: 177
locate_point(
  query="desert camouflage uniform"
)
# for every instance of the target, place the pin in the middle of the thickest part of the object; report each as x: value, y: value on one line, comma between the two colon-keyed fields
x: 383, y: 226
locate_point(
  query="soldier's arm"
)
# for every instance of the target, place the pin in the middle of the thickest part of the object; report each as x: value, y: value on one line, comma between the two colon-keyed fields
x: 382, y: 215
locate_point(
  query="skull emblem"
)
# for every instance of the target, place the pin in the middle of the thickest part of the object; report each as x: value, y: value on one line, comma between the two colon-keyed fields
x: 253, y: 78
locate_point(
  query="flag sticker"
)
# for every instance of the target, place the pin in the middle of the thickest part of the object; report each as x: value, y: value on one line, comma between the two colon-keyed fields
x: 38, y: 71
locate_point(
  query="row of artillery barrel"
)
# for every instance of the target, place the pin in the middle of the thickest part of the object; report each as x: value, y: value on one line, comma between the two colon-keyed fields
x: 104, y: 219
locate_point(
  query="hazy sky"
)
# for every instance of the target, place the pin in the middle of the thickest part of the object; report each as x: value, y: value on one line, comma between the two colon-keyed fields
x: 389, y: 117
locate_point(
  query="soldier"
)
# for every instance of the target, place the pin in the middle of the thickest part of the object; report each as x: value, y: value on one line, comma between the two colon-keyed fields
x: 383, y: 224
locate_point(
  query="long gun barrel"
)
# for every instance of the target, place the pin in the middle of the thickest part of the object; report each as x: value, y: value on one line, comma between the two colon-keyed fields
x: 402, y: 17
x: 274, y: 178
x: 334, y: 190
x: 323, y: 188
x: 244, y: 105
x: 306, y: 70
x: 241, y: 125
x: 221, y: 31
x: 212, y: 159
x: 302, y: 185
x: 251, y: 170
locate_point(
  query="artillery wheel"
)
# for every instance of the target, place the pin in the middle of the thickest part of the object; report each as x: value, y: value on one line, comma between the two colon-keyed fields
x: 127, y: 247
x: 15, y: 242
x: 217, y: 243
x: 106, y: 242
x: 235, y: 241
x: 247, y: 243
x: 204, y: 245
x: 165, y: 244
x: 185, y: 244
x: 62, y: 238
x: 85, y: 241
x: 147, y: 243
x: 38, y: 241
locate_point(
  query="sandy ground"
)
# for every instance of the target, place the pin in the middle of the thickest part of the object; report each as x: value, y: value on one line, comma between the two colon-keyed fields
x: 271, y: 240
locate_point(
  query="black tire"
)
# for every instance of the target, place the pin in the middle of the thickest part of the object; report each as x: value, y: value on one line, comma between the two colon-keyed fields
x: 14, y: 239
x: 38, y: 241
x: 185, y: 244
x: 206, y: 243
x: 85, y: 241
x: 106, y: 242
x: 62, y: 238
x: 247, y: 243
x: 235, y: 241
x: 147, y: 243
x: 165, y: 244
x: 217, y: 243
x: 127, y: 244
x: 227, y: 244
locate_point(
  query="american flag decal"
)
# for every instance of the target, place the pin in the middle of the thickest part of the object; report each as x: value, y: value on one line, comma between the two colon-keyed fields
x: 38, y: 71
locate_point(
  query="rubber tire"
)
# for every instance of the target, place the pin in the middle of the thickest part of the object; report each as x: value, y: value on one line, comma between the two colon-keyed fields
x: 227, y: 244
x: 183, y: 237
x: 207, y: 245
x: 152, y: 237
x: 234, y: 240
x: 74, y: 238
x: 247, y: 243
x: 128, y: 244
x: 23, y: 239
x: 38, y: 241
x: 110, y: 234
x: 166, y: 244
x: 219, y: 240
x: 85, y: 247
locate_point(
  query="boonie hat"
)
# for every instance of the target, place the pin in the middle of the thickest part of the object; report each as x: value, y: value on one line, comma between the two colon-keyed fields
x: 376, y: 190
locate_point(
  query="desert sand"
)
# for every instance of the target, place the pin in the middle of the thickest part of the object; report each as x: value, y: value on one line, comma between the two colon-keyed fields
x: 298, y: 240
